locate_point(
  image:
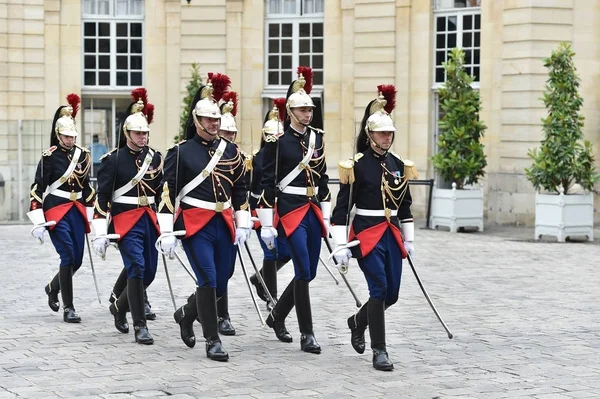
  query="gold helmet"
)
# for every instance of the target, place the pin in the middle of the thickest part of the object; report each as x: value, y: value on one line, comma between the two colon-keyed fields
x: 299, y: 90
x: 273, y: 125
x: 141, y: 113
x: 64, y: 121
x: 229, y: 111
x: 207, y: 106
x: 379, y: 119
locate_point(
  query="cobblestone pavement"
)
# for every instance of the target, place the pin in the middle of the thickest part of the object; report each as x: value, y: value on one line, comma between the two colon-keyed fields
x: 525, y: 315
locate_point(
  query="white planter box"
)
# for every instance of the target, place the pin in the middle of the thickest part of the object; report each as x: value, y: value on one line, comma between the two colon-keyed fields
x: 564, y: 216
x: 457, y: 208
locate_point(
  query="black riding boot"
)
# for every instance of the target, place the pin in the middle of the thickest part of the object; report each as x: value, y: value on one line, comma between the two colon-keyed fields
x: 381, y: 360
x: 225, y: 326
x: 65, y: 276
x: 135, y: 294
x: 207, y: 311
x: 269, y: 274
x: 52, y: 289
x: 308, y: 343
x: 185, y: 316
x: 150, y: 315
x: 119, y: 310
x: 119, y: 286
x: 276, y: 319
x: 358, y: 324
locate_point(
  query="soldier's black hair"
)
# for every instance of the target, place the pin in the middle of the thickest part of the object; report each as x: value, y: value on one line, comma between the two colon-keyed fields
x: 190, y: 128
x: 362, y: 141
x: 53, y: 137
x: 262, y: 136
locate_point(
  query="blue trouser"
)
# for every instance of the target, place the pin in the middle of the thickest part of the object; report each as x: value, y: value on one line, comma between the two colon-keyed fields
x: 138, y: 252
x: 68, y: 237
x: 281, y: 253
x: 305, y: 247
x: 382, y: 268
x: 234, y: 252
x: 209, y: 252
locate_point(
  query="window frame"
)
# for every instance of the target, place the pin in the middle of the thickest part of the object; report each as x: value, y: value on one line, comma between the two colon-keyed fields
x: 459, y: 13
x: 111, y: 14
x: 113, y: 87
x: 274, y: 91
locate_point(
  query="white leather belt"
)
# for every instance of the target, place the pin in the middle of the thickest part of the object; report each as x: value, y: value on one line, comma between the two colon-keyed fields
x: 257, y: 196
x: 307, y: 191
x: 68, y: 195
x: 211, y: 206
x: 376, y: 212
x: 141, y: 201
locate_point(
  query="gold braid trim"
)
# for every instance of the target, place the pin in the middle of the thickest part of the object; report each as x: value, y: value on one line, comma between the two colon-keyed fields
x: 34, y: 195
x: 88, y: 199
x: 244, y: 206
x: 410, y: 170
x: 263, y: 198
x: 165, y: 199
x: 100, y: 211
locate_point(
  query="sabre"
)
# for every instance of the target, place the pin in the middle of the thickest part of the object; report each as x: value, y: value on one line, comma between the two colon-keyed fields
x: 358, y: 303
x: 337, y: 282
x: 262, y: 321
x: 259, y: 276
x: 164, y: 258
x: 87, y: 240
x: 185, y: 267
x: 410, y: 262
x: 107, y: 236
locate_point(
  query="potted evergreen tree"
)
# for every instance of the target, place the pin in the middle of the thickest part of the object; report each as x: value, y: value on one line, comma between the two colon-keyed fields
x: 460, y: 159
x: 563, y: 171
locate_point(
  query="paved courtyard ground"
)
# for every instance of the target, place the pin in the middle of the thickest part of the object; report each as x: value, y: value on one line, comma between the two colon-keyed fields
x: 525, y: 316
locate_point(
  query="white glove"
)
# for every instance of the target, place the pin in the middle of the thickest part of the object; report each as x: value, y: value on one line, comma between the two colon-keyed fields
x: 327, y: 227
x: 241, y: 235
x: 342, y: 257
x: 38, y: 233
x: 99, y: 245
x: 410, y: 248
x: 89, y: 210
x: 168, y: 245
x: 268, y: 235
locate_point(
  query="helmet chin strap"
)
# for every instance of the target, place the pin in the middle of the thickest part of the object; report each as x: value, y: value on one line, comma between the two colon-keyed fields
x: 293, y: 116
x: 373, y: 143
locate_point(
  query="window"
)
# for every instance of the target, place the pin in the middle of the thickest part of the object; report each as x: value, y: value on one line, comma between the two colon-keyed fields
x: 458, y: 28
x: 294, y: 36
x: 112, y: 44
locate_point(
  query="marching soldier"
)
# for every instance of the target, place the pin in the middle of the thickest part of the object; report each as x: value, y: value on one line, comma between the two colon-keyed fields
x: 120, y: 286
x: 61, y: 201
x: 129, y: 181
x: 204, y: 185
x: 376, y: 182
x: 295, y: 173
x: 276, y: 259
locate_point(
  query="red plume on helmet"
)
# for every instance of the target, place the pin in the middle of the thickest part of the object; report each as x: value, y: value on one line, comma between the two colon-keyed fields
x: 150, y: 113
x: 280, y: 104
x: 231, y: 96
x: 73, y: 100
x: 220, y: 83
x: 307, y: 73
x: 140, y: 93
x: 389, y: 93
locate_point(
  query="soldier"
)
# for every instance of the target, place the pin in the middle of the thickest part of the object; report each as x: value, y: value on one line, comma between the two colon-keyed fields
x: 120, y: 286
x: 204, y: 184
x: 376, y: 181
x: 62, y: 202
x: 229, y: 131
x: 276, y: 259
x: 129, y: 181
x: 295, y: 173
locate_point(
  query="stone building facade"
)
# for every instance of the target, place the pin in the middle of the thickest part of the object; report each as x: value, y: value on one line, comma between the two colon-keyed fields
x: 104, y: 48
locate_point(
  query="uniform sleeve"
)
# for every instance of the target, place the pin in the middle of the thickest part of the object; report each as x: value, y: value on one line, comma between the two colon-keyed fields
x: 169, y: 190
x: 106, y: 176
x: 40, y: 183
x: 343, y: 206
x: 240, y: 189
x: 158, y: 178
x: 324, y: 194
x: 404, y: 213
x: 87, y: 191
x: 268, y: 183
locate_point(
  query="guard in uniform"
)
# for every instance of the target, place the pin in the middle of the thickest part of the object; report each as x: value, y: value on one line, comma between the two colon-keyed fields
x: 273, y: 260
x: 120, y: 286
x: 204, y: 185
x: 129, y: 183
x: 376, y: 181
x: 62, y: 202
x: 295, y: 173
